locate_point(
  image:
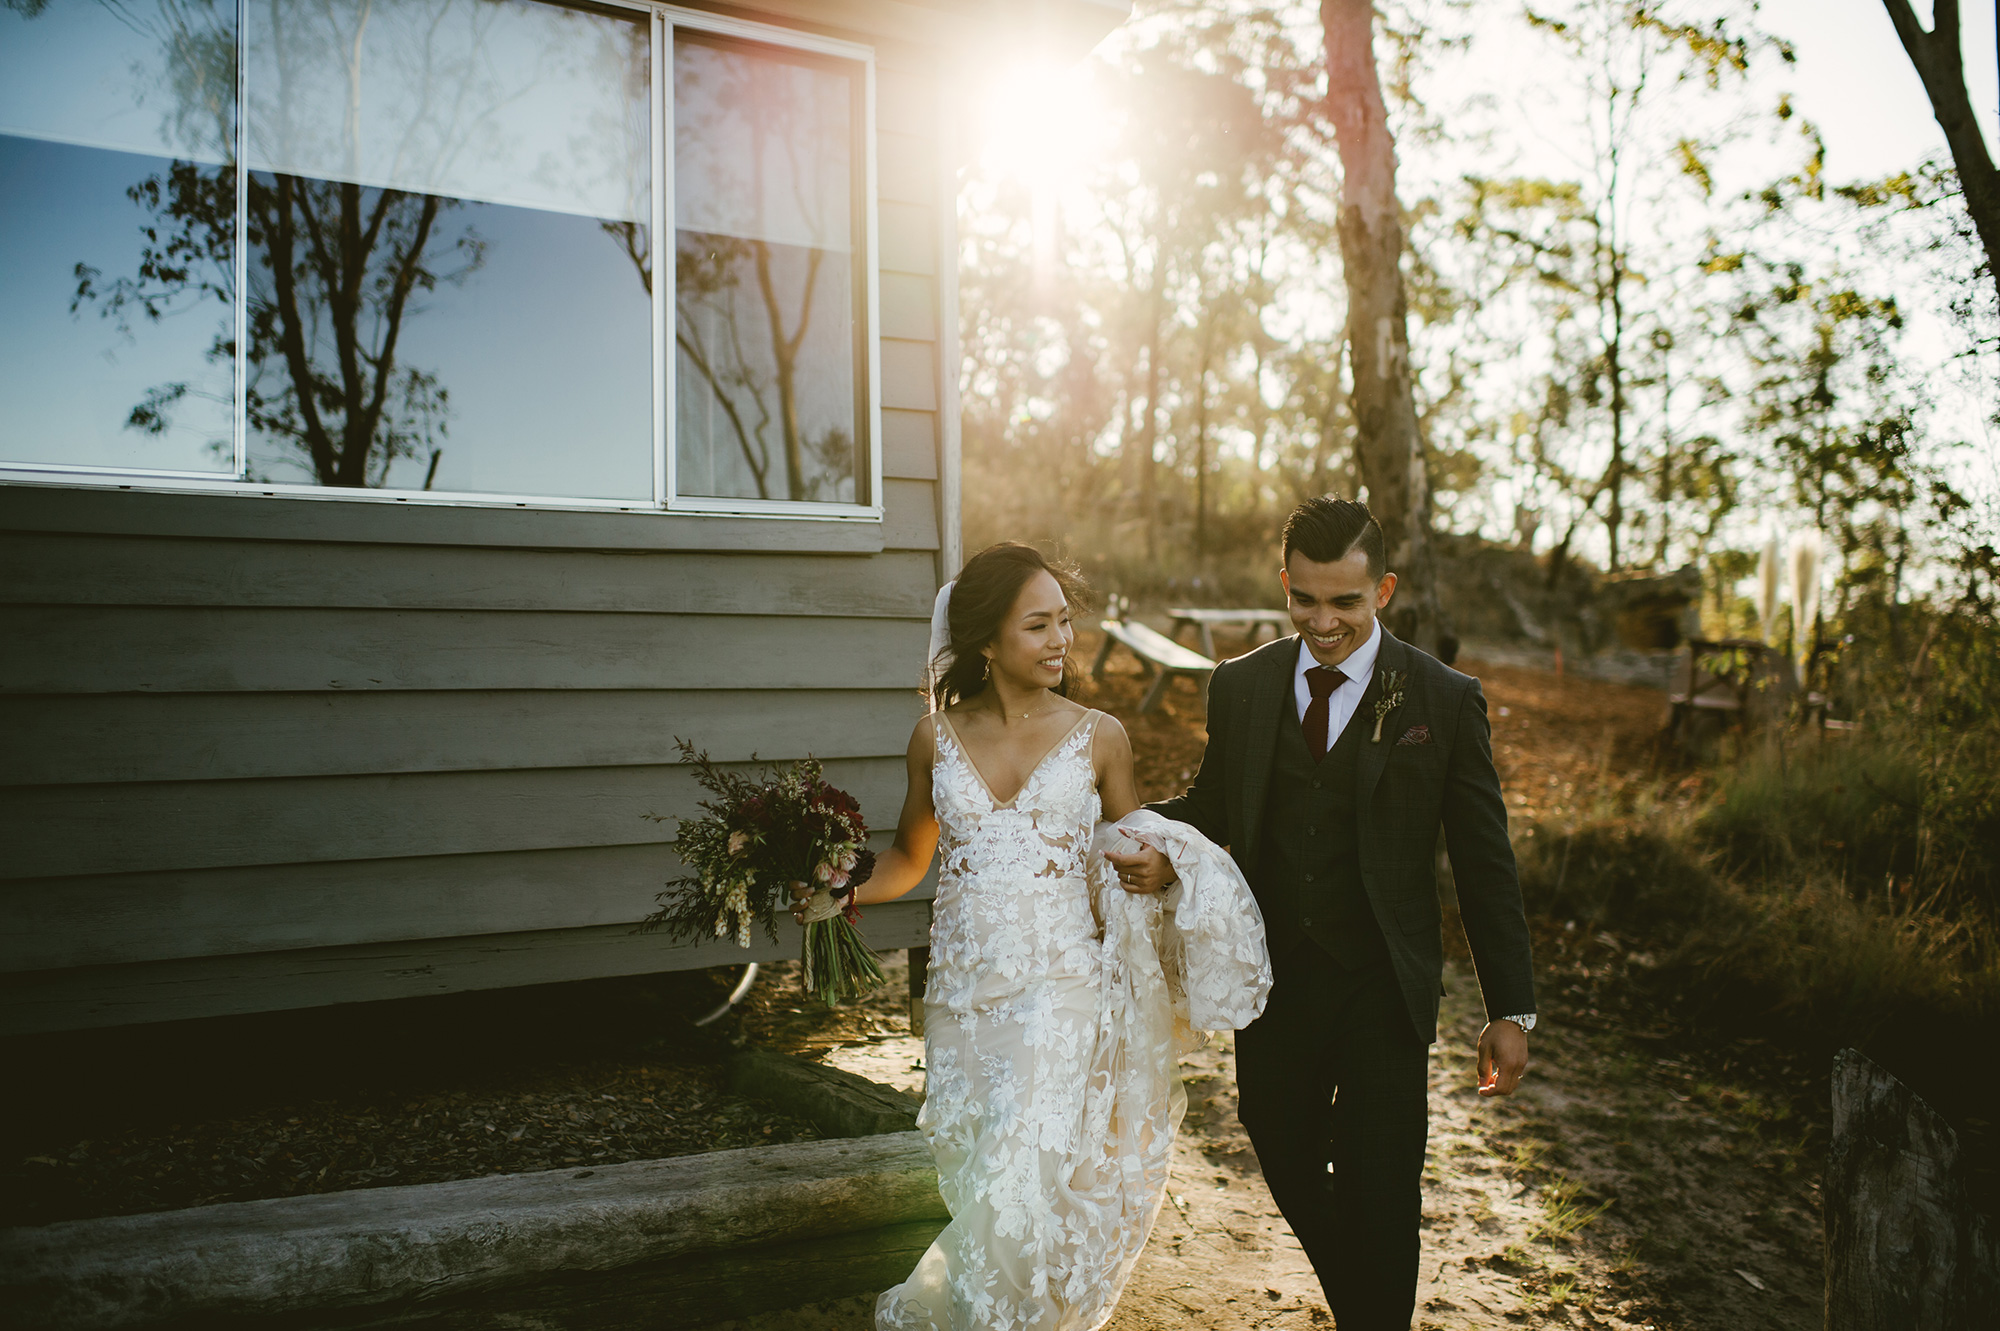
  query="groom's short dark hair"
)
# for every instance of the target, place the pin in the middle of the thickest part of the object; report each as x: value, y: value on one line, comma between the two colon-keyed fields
x: 1327, y: 530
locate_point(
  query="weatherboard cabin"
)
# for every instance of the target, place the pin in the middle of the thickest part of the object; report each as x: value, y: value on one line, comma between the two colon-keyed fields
x: 414, y: 414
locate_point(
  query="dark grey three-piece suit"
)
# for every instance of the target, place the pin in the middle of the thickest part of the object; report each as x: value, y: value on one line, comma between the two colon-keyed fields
x: 1340, y: 852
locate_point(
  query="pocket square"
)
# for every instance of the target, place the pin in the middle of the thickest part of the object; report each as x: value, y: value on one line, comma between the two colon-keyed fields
x: 1415, y: 735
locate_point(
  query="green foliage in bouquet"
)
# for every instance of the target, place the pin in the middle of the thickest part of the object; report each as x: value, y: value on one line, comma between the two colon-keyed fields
x: 721, y: 895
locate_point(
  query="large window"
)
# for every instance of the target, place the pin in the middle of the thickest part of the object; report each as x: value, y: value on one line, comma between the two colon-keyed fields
x: 407, y: 248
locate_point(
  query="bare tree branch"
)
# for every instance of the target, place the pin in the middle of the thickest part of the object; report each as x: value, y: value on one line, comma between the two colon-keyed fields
x: 1940, y: 63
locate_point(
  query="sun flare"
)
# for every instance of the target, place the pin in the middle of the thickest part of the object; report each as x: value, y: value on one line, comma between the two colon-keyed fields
x: 1040, y: 124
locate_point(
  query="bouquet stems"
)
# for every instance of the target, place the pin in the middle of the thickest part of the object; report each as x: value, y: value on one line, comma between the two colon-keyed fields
x: 838, y: 965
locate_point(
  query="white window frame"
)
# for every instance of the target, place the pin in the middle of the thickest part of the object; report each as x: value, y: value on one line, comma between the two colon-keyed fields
x: 664, y: 19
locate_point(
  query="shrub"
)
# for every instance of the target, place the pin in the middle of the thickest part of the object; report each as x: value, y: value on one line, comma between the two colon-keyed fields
x: 1903, y: 810
x: 1795, y: 955
x: 1838, y: 808
x: 1621, y: 874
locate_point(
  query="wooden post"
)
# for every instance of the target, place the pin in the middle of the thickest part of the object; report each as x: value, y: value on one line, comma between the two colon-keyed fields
x: 920, y: 969
x: 1905, y: 1246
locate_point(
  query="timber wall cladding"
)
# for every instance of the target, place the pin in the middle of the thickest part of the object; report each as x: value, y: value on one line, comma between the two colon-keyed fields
x: 242, y: 773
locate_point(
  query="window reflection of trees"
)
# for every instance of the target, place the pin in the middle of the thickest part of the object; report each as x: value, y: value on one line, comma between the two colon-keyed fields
x: 336, y: 269
x: 749, y: 309
x: 335, y: 266
x: 756, y: 385
x: 197, y: 75
x: 194, y: 79
x: 333, y: 273
x: 333, y: 270
x: 188, y: 258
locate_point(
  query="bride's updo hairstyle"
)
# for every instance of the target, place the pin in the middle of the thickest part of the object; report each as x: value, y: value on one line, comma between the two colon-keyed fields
x: 981, y: 600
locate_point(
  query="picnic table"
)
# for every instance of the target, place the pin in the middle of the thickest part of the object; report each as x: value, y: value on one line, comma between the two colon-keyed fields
x: 1165, y: 660
x: 1204, y: 622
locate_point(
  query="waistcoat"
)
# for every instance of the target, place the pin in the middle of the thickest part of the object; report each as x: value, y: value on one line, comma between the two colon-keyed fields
x: 1310, y: 859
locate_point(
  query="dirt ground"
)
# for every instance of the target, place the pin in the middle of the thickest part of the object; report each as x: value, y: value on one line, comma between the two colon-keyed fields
x: 1624, y: 1186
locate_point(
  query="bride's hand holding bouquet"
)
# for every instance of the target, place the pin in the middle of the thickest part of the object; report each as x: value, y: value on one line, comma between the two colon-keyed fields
x: 883, y: 877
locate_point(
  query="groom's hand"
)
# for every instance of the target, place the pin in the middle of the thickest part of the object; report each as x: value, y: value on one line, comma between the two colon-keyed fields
x: 1145, y: 870
x: 1503, y: 1057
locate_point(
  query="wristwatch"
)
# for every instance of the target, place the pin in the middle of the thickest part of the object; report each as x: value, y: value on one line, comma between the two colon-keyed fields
x: 1526, y: 1021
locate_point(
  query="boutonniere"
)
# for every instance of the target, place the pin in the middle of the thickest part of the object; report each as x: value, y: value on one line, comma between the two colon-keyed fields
x: 1391, y: 698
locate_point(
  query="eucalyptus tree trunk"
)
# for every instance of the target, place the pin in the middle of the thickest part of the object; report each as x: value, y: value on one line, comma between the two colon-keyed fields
x: 1201, y: 439
x: 1149, y: 424
x: 1389, y: 450
x: 1614, y: 370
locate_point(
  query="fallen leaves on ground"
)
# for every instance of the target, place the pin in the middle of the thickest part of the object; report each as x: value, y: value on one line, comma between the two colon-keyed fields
x: 553, y: 1118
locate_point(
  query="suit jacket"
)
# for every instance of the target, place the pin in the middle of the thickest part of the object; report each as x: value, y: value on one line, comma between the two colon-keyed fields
x: 1432, y: 769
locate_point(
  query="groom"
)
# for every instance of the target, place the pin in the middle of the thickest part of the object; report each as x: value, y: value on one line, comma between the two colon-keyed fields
x: 1334, y: 758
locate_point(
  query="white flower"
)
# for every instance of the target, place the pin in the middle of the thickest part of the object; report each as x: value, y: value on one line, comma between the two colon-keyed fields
x: 736, y: 906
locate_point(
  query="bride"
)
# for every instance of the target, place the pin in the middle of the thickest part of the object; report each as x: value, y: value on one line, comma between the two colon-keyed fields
x: 1056, y: 1007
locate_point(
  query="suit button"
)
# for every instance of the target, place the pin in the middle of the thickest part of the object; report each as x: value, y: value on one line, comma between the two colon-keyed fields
x: 1312, y: 831
x: 1315, y: 785
x: 1309, y: 878
x: 1307, y: 922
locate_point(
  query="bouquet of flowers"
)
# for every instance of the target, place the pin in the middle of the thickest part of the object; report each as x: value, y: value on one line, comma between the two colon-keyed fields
x: 757, y: 837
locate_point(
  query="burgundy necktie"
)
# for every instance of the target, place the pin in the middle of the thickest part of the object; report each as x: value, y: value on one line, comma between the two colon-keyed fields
x: 1322, y: 680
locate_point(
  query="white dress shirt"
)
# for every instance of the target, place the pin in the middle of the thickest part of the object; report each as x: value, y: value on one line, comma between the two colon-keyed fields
x: 1340, y: 704
x: 1340, y: 708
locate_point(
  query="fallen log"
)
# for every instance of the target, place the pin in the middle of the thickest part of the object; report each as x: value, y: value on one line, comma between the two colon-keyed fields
x: 402, y: 1255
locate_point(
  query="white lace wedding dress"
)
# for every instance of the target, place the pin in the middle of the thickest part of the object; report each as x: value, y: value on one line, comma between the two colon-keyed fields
x: 1057, y: 1008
